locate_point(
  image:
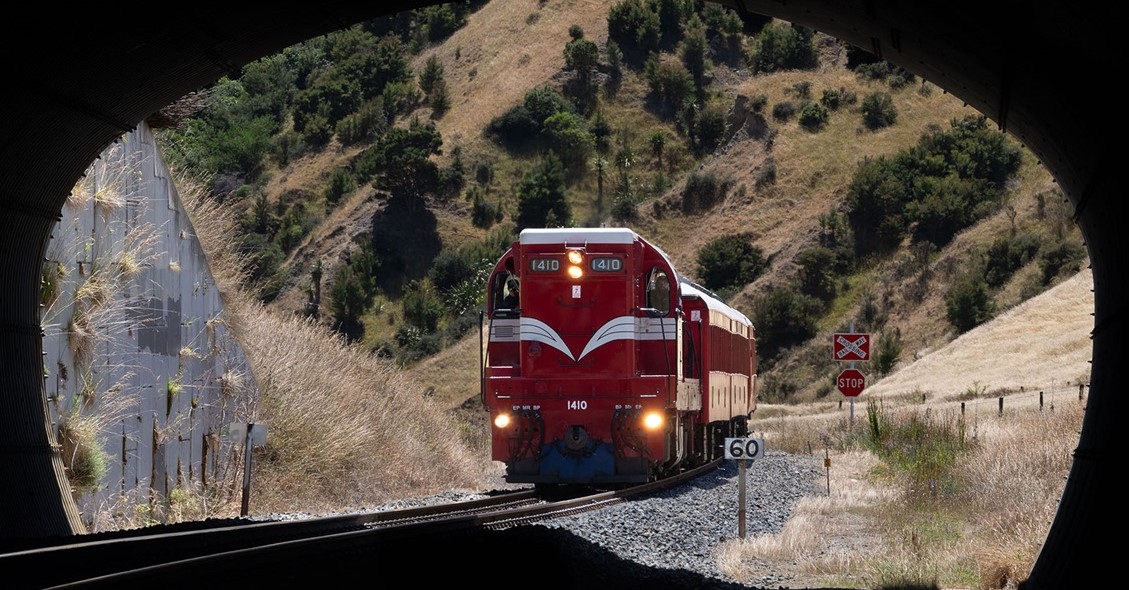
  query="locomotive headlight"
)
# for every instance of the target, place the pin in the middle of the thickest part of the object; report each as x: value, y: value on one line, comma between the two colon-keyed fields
x: 653, y: 421
x: 575, y: 260
x: 502, y: 420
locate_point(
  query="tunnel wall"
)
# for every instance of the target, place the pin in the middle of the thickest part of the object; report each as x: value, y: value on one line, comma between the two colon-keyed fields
x: 138, y: 357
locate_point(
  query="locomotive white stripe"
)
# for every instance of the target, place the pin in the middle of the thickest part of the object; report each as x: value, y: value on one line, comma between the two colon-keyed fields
x: 620, y: 328
x: 537, y: 331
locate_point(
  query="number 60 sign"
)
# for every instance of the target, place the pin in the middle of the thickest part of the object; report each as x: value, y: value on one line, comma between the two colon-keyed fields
x: 744, y: 448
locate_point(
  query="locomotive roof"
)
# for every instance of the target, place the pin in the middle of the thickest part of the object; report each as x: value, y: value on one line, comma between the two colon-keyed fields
x: 712, y: 302
x: 578, y: 235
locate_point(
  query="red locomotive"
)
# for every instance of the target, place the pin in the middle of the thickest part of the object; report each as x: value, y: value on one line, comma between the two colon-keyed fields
x: 604, y: 366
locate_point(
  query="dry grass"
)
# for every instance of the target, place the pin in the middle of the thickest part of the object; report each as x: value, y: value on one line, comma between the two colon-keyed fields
x: 982, y: 528
x: 346, y: 429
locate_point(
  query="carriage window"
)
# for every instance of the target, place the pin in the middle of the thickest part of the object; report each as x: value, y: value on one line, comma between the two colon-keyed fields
x: 658, y: 290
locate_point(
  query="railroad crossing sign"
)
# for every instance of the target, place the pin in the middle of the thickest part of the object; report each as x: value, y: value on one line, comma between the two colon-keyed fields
x: 850, y: 347
x: 851, y: 382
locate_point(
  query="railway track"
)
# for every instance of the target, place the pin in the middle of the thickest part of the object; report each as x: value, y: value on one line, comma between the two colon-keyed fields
x: 315, y: 550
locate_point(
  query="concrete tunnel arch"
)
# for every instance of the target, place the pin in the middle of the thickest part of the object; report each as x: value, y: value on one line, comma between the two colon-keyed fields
x: 93, y: 75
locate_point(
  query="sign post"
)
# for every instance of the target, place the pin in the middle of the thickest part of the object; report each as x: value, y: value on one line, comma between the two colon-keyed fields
x: 850, y: 346
x: 741, y: 449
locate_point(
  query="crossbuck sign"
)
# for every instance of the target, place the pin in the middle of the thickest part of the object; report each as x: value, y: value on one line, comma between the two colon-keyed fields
x: 850, y: 347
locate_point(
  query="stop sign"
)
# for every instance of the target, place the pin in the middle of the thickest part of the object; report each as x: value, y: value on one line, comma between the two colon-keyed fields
x: 850, y: 382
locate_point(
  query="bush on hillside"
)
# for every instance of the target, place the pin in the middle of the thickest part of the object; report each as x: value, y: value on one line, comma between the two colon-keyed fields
x: 730, y: 261
x: 541, y: 196
x: 1060, y: 259
x: 948, y: 181
x: 968, y: 302
x: 1008, y: 254
x: 783, y: 111
x: 703, y: 190
x: 878, y: 110
x: 634, y: 26
x: 671, y: 84
x: 783, y: 47
x: 814, y: 116
x: 817, y: 276
x: 784, y: 318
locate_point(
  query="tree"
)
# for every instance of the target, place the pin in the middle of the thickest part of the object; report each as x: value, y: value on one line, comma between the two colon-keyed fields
x: 581, y: 57
x: 783, y: 47
x: 693, y: 51
x: 567, y: 137
x: 817, y: 273
x: 541, y: 195
x: 432, y: 73
x: 600, y: 163
x: 402, y: 158
x: 784, y: 318
x: 658, y: 144
x: 348, y: 298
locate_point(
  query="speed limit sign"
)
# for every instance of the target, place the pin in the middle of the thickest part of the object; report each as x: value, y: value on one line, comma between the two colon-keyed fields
x: 744, y: 448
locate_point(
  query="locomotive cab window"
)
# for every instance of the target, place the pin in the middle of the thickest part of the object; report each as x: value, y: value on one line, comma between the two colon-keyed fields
x: 505, y: 288
x: 658, y: 290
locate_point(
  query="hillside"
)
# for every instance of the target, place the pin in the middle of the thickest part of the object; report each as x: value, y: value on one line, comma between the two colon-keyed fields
x: 812, y: 174
x: 779, y: 181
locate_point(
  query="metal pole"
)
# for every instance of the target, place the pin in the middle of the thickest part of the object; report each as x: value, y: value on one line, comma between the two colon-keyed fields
x: 741, y: 498
x: 247, y: 469
x: 852, y: 419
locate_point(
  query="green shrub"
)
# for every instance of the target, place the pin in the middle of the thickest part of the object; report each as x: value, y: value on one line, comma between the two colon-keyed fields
x: 783, y: 111
x: 422, y: 306
x: 923, y: 446
x: 431, y: 74
x: 832, y: 99
x: 340, y: 183
x: 1008, y: 254
x: 889, y: 350
x: 784, y: 318
x: 1062, y: 258
x: 817, y: 276
x: 625, y: 208
x: 364, y: 125
x: 878, y: 110
x: 968, y: 302
x: 783, y: 47
x: 710, y: 128
x: 483, y: 213
x: 814, y: 116
x: 670, y: 82
x: 730, y: 261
